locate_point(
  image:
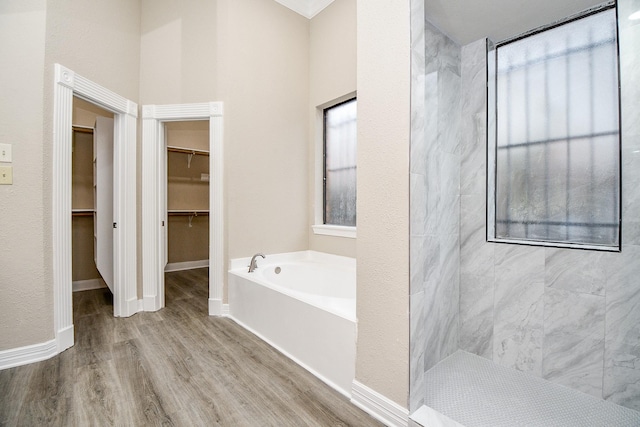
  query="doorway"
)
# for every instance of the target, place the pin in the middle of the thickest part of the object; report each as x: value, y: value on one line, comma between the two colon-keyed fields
x: 154, y: 203
x: 187, y: 212
x: 67, y: 85
x: 92, y: 197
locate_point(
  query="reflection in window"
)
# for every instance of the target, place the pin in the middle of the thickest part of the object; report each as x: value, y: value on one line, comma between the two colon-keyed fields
x: 340, y: 164
x: 557, y: 156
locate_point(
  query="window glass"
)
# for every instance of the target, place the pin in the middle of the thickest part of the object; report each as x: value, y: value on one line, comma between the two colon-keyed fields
x: 340, y: 164
x: 557, y: 144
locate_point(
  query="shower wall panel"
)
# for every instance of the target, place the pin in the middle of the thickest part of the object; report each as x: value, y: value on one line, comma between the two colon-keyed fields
x: 418, y: 195
x: 569, y: 316
x: 435, y: 199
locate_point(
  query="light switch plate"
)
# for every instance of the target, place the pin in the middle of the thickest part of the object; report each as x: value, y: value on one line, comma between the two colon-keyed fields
x: 6, y: 175
x: 5, y: 153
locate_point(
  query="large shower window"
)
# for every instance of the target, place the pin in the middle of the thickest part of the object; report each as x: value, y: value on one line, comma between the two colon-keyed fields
x: 554, y: 156
x: 340, y: 164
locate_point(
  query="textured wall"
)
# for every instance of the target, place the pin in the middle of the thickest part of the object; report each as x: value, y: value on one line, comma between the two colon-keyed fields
x: 263, y: 80
x: 178, y: 51
x: 569, y: 316
x: 26, y: 314
x: 332, y: 74
x: 253, y: 55
x: 383, y: 197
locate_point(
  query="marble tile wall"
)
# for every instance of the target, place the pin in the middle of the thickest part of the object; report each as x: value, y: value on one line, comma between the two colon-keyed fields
x: 417, y: 248
x: 434, y: 198
x: 569, y: 316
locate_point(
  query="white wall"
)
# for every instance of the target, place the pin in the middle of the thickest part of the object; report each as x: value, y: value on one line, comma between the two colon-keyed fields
x: 26, y: 315
x: 259, y: 65
x: 253, y: 56
x: 332, y: 74
x: 178, y: 51
x: 263, y: 80
x: 383, y: 197
x: 99, y: 40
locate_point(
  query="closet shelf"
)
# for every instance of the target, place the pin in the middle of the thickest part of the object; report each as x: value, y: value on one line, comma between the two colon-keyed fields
x: 187, y: 150
x: 82, y: 212
x: 190, y: 152
x: 195, y: 212
x: 191, y: 214
x: 83, y: 129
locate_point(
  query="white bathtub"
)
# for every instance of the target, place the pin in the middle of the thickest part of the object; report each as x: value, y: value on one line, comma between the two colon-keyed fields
x: 306, y: 311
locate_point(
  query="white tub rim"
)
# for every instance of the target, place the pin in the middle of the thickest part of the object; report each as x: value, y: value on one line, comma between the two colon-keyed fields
x: 240, y: 269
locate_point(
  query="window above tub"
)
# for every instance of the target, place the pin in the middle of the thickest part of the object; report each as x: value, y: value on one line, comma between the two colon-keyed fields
x: 553, y: 173
x: 336, y: 173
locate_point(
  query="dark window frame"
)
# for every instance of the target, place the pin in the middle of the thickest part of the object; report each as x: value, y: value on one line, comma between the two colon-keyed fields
x: 492, y: 143
x: 325, y: 113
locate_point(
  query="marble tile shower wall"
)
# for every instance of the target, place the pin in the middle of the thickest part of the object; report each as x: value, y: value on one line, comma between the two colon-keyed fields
x: 418, y: 256
x: 435, y: 200
x: 569, y: 316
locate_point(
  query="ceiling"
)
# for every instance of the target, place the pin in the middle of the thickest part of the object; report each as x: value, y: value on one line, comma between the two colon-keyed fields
x: 465, y: 21
x: 306, y: 8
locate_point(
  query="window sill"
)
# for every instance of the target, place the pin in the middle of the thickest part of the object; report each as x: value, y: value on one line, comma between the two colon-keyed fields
x: 561, y: 245
x: 335, y: 230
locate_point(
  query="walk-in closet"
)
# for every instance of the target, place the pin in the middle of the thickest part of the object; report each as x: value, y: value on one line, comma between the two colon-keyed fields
x: 92, y: 197
x: 187, y: 201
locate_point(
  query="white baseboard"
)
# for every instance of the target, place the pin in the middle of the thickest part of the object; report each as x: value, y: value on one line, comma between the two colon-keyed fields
x: 215, y: 307
x: 378, y: 406
x: 225, y: 310
x: 186, y: 265
x: 151, y: 303
x: 28, y: 354
x: 88, y: 285
x: 133, y: 306
x: 65, y: 338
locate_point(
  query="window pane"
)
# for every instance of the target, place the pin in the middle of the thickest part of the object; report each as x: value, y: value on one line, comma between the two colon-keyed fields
x: 340, y: 164
x: 557, y: 130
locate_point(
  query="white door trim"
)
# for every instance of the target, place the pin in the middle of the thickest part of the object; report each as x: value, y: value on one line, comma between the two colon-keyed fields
x: 154, y: 210
x: 67, y: 84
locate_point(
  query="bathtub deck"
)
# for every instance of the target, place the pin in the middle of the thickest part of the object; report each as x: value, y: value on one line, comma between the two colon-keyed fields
x: 474, y: 392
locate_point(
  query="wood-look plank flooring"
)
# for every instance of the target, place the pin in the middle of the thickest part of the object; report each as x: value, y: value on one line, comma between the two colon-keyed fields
x: 173, y: 367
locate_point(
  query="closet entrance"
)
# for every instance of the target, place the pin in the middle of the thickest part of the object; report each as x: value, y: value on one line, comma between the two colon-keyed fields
x: 92, y: 197
x: 187, y: 210
x: 160, y: 211
x: 125, y: 302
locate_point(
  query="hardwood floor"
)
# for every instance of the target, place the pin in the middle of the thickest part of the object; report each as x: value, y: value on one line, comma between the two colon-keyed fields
x: 174, y: 367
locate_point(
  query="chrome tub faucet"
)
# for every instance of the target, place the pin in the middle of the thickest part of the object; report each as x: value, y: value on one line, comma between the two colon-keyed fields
x: 253, y: 264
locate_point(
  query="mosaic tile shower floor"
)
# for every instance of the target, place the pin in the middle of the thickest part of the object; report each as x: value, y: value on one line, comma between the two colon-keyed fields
x: 475, y: 392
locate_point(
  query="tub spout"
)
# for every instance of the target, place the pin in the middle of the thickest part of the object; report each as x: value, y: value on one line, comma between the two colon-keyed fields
x: 253, y: 264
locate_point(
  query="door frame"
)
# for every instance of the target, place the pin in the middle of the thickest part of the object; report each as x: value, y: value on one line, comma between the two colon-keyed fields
x: 125, y: 300
x: 154, y: 186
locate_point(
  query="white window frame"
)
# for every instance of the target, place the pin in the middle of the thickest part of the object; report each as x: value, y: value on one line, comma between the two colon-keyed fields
x: 319, y: 228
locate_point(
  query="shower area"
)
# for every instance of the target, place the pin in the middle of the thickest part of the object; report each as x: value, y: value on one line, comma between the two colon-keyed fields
x: 497, y: 325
